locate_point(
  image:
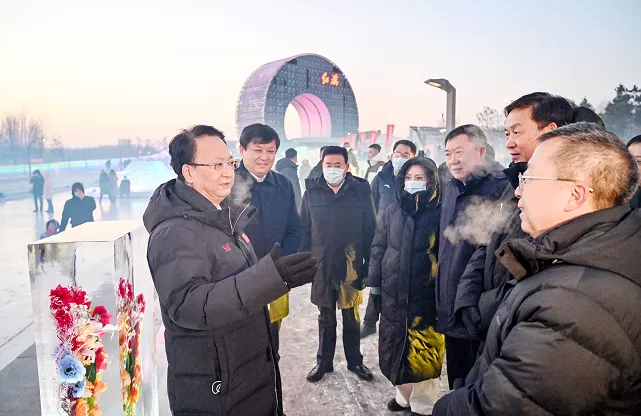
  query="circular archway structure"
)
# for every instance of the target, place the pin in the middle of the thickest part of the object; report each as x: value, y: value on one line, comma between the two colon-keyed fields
x: 318, y: 90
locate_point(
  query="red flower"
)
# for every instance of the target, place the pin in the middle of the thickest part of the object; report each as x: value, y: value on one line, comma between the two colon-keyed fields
x: 101, y: 312
x: 101, y: 360
x: 140, y: 299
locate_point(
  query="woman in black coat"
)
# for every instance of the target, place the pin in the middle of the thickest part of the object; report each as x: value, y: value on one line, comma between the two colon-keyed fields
x: 401, y: 274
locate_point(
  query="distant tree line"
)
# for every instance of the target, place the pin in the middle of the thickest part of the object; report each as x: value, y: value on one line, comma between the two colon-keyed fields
x: 23, y: 140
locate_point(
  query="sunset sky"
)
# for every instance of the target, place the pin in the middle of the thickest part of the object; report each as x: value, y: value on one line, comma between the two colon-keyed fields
x: 95, y: 72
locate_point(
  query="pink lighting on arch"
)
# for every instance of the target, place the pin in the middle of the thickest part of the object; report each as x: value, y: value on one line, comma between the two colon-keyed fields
x: 315, y: 120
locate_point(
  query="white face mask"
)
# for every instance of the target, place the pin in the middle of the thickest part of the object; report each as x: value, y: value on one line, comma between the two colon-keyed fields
x: 398, y: 163
x: 413, y: 187
x: 333, y: 176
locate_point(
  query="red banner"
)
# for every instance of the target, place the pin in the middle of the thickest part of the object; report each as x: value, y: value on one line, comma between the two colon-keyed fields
x: 363, y: 136
x: 373, y: 137
x: 388, y: 136
x: 342, y: 142
x: 352, y: 140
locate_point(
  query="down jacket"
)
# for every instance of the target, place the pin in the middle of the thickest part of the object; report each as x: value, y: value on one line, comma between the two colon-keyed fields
x: 402, y: 269
x: 566, y: 340
x: 466, y: 215
x: 338, y: 228
x: 213, y: 295
x: 482, y: 283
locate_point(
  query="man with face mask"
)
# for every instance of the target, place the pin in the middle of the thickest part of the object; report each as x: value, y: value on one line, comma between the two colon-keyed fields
x: 384, y: 193
x: 339, y: 222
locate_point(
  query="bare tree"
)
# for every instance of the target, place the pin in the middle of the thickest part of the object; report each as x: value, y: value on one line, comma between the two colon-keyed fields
x: 12, y: 138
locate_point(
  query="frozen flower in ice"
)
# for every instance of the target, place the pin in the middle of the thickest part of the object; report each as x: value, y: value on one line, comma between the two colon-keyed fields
x: 70, y: 370
x: 101, y: 313
x: 79, y: 389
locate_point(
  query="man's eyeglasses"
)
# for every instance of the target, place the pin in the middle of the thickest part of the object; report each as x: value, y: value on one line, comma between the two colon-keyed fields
x: 219, y: 166
x: 523, y: 178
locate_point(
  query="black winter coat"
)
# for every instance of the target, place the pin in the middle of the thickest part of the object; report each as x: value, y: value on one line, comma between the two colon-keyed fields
x: 289, y: 169
x: 79, y: 211
x: 213, y: 295
x: 384, y: 188
x: 316, y: 172
x: 465, y: 221
x: 338, y: 228
x: 484, y: 277
x: 276, y: 219
x: 403, y: 267
x: 38, y: 183
x: 566, y: 340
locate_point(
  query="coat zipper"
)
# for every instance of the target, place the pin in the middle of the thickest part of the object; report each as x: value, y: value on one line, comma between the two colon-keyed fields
x: 237, y: 219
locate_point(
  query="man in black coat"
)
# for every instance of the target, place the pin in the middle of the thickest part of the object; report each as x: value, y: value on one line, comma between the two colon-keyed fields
x: 383, y: 185
x: 481, y: 286
x: 339, y: 223
x: 288, y: 167
x: 318, y: 169
x: 634, y: 146
x: 383, y: 194
x: 466, y: 213
x: 79, y: 209
x: 272, y: 194
x: 38, y: 184
x: 212, y: 288
x: 567, y: 335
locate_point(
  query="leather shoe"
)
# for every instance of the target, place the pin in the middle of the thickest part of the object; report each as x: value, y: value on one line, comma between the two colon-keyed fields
x: 393, y: 406
x: 367, y: 330
x: 361, y: 371
x: 318, y: 372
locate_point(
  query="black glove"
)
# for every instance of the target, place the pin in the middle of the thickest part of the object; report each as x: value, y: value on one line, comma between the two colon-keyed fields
x: 471, y: 319
x: 377, y: 302
x: 358, y: 284
x: 295, y: 269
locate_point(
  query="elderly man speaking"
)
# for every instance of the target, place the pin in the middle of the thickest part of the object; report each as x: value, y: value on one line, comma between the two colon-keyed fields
x: 213, y: 291
x: 567, y: 337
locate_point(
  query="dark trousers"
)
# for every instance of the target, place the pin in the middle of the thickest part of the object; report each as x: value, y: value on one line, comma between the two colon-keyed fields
x: 371, y: 314
x: 275, y: 328
x: 49, y: 205
x: 327, y: 336
x: 37, y: 198
x: 461, y: 356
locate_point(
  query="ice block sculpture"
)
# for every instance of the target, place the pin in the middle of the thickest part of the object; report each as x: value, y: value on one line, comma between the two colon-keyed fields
x: 95, y: 341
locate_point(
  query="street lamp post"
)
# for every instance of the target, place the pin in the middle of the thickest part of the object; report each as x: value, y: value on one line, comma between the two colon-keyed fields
x: 450, y: 112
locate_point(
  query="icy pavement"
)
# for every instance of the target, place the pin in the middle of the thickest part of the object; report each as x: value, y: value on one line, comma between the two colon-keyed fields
x: 20, y: 227
x: 339, y: 393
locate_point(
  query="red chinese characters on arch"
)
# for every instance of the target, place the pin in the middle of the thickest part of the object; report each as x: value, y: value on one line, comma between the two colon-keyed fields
x: 333, y: 80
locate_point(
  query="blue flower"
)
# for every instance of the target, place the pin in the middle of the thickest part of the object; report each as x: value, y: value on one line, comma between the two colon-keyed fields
x: 70, y: 370
x: 79, y: 389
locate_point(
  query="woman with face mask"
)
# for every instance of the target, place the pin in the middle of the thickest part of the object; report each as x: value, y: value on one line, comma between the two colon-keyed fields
x: 402, y: 274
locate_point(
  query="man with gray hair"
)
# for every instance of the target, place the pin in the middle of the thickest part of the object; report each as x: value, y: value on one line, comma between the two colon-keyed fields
x: 567, y: 337
x: 468, y: 201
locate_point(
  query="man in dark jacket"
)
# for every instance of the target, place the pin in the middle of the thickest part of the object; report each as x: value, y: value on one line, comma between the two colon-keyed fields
x: 288, y: 167
x: 79, y: 209
x: 634, y: 146
x: 480, y: 289
x: 272, y: 194
x: 468, y: 204
x: 339, y: 223
x: 317, y: 170
x: 38, y: 184
x: 383, y: 194
x: 213, y: 290
x: 566, y: 337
